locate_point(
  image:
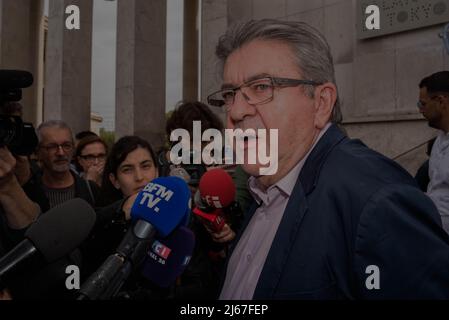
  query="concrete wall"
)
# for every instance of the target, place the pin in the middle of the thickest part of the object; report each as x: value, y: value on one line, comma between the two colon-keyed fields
x: 20, y: 31
x: 377, y: 78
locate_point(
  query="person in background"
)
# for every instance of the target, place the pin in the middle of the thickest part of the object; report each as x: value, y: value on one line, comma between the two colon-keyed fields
x: 55, y: 151
x: 90, y: 155
x: 201, y: 278
x: 130, y: 166
x: 422, y: 174
x: 434, y: 105
x: 83, y: 134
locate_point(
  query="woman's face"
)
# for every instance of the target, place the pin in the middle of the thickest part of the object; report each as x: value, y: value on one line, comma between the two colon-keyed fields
x: 134, y: 172
x: 93, y: 154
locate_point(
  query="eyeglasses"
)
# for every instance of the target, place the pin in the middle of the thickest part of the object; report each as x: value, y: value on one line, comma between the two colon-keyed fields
x: 92, y: 157
x: 54, y: 147
x: 255, y: 92
x: 421, y: 104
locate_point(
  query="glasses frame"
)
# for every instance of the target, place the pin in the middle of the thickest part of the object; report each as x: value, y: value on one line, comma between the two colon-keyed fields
x: 275, y: 82
x: 57, y: 146
x: 420, y: 105
x: 100, y: 157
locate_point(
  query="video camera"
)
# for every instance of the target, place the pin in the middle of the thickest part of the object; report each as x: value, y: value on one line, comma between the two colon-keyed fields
x: 20, y: 137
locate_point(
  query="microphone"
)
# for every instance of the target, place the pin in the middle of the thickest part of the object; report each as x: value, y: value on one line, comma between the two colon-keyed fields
x: 55, y: 234
x: 216, y: 192
x: 168, y: 257
x: 15, y: 79
x: 159, y: 208
x: 182, y: 173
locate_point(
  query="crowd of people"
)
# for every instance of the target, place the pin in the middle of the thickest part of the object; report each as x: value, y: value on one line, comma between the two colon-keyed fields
x: 333, y: 209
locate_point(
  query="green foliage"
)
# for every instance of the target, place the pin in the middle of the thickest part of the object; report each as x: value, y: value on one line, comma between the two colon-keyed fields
x: 108, y: 137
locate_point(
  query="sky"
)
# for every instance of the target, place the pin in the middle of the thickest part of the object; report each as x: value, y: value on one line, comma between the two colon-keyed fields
x: 104, y: 56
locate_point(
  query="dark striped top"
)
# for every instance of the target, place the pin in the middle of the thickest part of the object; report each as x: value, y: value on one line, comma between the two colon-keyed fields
x: 59, y: 196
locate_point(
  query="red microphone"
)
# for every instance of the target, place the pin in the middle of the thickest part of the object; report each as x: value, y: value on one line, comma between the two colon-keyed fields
x: 217, y: 191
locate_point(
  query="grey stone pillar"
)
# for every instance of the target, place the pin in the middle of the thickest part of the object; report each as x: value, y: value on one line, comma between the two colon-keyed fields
x: 190, y: 60
x: 140, y: 79
x: 214, y: 22
x: 68, y: 66
x: 20, y: 23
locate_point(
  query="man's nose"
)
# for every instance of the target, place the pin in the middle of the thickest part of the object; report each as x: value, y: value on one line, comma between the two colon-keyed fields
x: 241, y: 108
x: 60, y: 151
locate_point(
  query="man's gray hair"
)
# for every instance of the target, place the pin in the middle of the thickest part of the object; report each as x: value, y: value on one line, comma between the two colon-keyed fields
x: 53, y: 124
x: 311, y: 49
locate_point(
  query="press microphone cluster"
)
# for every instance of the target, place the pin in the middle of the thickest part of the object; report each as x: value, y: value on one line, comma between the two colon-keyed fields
x: 158, y: 210
x: 54, y: 235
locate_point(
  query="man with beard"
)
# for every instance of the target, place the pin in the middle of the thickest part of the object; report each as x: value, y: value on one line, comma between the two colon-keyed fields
x: 55, y: 151
x: 434, y: 105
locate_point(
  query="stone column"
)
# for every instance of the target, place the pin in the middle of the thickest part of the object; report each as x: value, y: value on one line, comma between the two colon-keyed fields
x: 68, y: 66
x: 190, y: 60
x: 140, y: 79
x: 20, y: 26
x: 214, y: 22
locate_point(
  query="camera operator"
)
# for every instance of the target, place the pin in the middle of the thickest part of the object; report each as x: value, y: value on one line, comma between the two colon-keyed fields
x: 18, y: 211
x: 22, y: 199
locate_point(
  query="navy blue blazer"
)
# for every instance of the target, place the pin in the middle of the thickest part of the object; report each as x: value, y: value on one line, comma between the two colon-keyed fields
x: 353, y: 208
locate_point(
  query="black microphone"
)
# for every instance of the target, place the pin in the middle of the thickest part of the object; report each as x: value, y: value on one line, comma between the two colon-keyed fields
x: 15, y: 79
x: 55, y: 234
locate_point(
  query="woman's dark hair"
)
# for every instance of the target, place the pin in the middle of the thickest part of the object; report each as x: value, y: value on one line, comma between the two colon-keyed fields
x: 187, y: 112
x: 85, y: 142
x: 118, y: 154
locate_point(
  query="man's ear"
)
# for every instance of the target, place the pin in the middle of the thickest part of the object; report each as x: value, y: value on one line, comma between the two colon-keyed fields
x: 114, y: 181
x: 325, y: 97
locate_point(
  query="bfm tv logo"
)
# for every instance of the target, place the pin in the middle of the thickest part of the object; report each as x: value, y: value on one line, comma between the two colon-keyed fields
x: 160, y: 249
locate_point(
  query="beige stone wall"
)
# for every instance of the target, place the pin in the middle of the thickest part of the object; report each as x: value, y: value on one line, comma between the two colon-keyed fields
x: 20, y: 30
x: 377, y: 78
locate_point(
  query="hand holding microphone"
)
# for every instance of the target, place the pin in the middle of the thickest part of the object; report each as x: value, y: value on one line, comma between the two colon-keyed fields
x: 216, y: 193
x: 226, y: 234
x: 159, y: 208
x: 54, y: 235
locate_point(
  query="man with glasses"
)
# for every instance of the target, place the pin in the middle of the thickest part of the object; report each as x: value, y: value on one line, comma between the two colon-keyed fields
x: 337, y: 220
x: 434, y: 105
x: 55, y: 151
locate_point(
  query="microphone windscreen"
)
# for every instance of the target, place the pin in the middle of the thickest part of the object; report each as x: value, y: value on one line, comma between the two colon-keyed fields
x: 60, y: 230
x: 163, y: 203
x: 168, y: 257
x: 15, y: 79
x: 217, y: 188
